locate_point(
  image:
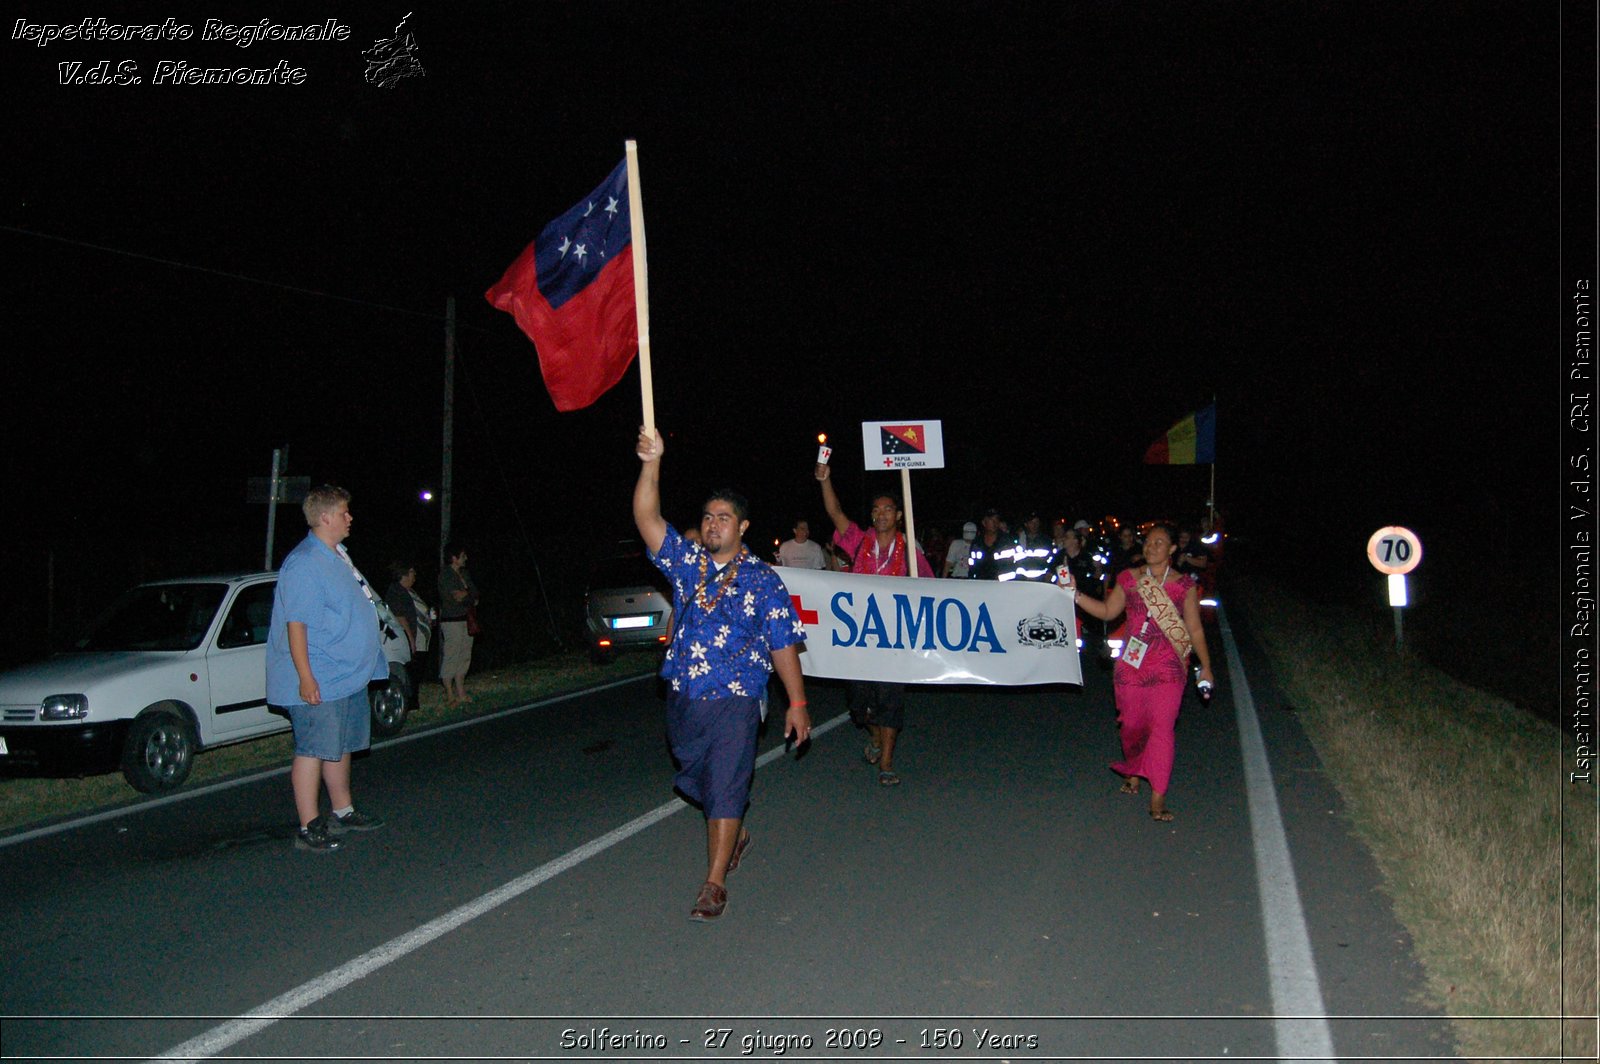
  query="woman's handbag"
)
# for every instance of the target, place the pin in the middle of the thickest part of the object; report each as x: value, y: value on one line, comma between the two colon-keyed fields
x: 473, y: 627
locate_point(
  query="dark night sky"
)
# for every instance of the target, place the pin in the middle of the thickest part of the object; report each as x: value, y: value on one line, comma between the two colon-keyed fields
x: 1056, y: 227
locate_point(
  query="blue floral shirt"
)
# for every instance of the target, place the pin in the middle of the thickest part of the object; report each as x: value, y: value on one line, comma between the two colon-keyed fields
x: 726, y: 650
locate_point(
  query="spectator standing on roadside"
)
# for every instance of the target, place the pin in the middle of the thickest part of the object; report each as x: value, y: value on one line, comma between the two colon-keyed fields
x: 802, y: 552
x: 955, y: 559
x: 735, y: 627
x: 415, y: 616
x: 457, y: 597
x: 322, y: 651
x: 878, y: 707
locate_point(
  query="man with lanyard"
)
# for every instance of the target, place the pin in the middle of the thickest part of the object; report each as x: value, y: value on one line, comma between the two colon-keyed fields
x: 878, y: 707
x: 734, y: 627
x: 322, y: 650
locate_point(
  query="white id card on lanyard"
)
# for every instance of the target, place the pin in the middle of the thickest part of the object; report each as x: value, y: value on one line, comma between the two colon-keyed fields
x: 1133, y: 654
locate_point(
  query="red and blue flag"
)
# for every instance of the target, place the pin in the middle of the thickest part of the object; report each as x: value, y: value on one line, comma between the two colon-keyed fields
x: 1192, y: 441
x: 571, y: 292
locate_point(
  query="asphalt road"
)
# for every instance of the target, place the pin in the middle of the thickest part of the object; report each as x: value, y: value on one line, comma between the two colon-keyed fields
x: 1004, y: 903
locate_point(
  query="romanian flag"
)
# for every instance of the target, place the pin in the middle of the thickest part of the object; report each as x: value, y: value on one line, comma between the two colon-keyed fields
x: 1192, y: 441
x: 571, y: 291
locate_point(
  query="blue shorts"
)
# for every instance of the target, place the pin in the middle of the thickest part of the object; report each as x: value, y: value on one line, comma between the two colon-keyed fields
x: 714, y: 742
x: 332, y: 728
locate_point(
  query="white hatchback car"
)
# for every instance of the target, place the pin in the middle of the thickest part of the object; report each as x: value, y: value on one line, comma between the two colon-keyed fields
x: 169, y: 669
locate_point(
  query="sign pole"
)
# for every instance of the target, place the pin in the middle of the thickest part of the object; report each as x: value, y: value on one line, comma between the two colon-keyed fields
x: 641, y: 286
x: 272, y: 505
x: 911, y: 524
x: 1395, y: 551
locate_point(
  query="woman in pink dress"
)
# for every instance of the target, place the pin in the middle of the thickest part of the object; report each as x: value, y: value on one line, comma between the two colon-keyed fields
x: 1163, y: 629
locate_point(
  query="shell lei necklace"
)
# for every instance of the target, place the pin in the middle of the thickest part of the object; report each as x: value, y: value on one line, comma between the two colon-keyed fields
x: 725, y: 580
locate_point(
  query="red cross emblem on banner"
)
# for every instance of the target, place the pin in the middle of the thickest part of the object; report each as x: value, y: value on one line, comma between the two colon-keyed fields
x: 806, y: 616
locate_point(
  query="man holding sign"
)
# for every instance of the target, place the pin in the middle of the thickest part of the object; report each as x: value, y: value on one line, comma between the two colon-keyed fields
x: 733, y: 627
x: 879, y: 707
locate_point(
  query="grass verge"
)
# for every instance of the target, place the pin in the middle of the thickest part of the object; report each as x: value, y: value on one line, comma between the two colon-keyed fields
x: 29, y: 802
x: 1486, y: 848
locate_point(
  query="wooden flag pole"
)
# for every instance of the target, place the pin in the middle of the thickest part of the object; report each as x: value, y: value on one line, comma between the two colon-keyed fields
x: 641, y: 286
x: 911, y: 524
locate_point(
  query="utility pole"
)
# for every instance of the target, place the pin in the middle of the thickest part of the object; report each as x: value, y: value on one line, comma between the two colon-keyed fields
x: 449, y: 421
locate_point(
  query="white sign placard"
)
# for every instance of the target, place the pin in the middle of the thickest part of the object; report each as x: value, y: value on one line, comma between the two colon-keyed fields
x: 902, y: 444
x: 1394, y: 550
x: 863, y: 627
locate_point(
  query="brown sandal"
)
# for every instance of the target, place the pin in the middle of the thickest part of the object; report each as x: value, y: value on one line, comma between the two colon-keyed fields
x: 711, y: 903
x: 1130, y: 785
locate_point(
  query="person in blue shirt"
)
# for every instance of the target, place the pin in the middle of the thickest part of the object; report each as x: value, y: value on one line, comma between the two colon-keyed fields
x: 323, y: 649
x: 732, y: 627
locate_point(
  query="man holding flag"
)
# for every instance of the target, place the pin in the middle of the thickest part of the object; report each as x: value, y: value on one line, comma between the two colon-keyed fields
x: 733, y: 627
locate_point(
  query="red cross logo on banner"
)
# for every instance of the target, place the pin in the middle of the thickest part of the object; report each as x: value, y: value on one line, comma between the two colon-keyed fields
x: 806, y: 616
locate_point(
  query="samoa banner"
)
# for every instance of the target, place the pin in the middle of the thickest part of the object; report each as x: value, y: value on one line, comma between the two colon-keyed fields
x: 900, y: 630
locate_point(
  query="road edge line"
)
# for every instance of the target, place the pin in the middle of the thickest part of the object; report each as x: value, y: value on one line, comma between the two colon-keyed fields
x: 1300, y: 1026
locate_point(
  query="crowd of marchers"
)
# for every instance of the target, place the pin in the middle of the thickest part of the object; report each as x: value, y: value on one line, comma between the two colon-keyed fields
x: 989, y: 549
x: 1150, y: 578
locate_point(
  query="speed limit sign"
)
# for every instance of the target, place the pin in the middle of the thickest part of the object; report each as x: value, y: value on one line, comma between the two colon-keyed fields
x: 1394, y: 550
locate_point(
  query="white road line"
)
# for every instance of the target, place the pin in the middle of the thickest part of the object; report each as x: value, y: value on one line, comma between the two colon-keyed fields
x: 282, y: 770
x: 224, y: 1036
x: 1301, y: 1026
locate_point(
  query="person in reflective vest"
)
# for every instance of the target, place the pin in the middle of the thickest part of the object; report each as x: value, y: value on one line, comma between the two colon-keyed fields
x: 993, y: 555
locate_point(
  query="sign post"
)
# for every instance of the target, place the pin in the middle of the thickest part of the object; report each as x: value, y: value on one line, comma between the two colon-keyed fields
x: 274, y: 490
x: 1395, y: 551
x: 904, y: 445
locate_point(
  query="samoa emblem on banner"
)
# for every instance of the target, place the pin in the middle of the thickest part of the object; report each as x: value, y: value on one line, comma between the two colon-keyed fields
x: 1042, y: 631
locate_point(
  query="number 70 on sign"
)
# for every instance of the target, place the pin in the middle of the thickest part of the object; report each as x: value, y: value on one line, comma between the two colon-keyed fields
x: 1394, y: 550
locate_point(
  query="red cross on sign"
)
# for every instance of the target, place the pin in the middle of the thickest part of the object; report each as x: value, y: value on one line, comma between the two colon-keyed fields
x: 806, y: 616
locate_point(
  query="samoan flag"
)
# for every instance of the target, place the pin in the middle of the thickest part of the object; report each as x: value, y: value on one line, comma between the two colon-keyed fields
x: 1192, y: 441
x: 904, y: 439
x: 571, y: 291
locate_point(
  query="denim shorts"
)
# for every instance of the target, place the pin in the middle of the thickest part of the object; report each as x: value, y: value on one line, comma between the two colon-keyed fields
x: 333, y: 727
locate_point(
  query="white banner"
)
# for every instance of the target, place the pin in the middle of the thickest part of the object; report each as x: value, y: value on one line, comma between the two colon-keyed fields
x: 900, y: 630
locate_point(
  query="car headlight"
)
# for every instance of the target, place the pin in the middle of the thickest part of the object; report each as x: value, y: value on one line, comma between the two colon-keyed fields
x: 64, y: 707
